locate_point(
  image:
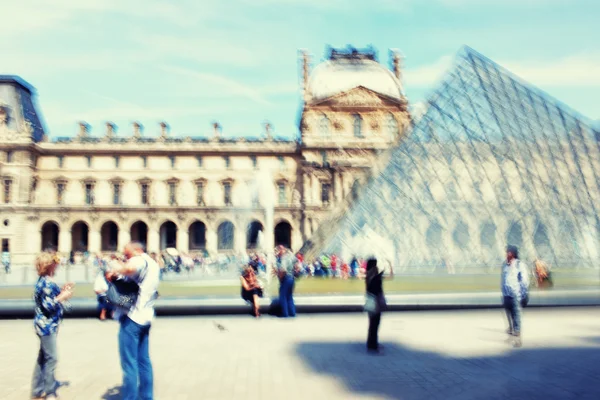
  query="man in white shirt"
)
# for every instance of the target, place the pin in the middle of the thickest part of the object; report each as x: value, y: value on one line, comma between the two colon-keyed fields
x: 135, y: 323
x: 514, y: 284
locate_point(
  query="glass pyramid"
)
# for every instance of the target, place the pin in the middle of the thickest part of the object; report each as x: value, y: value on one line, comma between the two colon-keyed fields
x: 492, y: 161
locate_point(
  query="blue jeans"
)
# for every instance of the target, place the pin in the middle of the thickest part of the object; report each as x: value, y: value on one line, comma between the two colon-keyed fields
x: 135, y: 360
x: 512, y: 306
x: 43, y: 375
x: 286, y: 297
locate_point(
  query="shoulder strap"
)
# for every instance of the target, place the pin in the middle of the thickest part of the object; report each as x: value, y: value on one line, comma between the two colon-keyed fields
x: 144, y: 271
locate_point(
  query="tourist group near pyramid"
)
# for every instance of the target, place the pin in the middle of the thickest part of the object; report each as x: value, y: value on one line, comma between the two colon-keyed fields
x: 492, y: 161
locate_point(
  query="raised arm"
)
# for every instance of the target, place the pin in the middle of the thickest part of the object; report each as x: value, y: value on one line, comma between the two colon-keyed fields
x: 51, y: 298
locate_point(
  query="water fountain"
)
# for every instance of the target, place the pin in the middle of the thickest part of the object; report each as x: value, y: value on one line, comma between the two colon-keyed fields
x: 262, y: 188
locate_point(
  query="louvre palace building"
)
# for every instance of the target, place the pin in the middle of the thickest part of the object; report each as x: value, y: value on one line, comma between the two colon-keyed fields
x: 489, y: 161
x: 96, y: 193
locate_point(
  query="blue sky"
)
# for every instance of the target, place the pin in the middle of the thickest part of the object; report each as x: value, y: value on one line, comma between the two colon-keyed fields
x: 191, y: 63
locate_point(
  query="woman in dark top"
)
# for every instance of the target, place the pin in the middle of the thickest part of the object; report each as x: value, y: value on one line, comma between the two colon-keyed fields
x: 374, y: 283
x: 251, y: 289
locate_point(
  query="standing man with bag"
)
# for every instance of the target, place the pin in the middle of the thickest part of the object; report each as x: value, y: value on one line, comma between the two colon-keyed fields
x: 136, y: 322
x: 515, y: 284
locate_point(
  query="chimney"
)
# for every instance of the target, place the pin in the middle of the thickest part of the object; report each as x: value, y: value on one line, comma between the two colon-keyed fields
x: 397, y: 63
x: 84, y: 129
x: 217, y: 129
x: 164, y: 129
x: 111, y: 128
x: 305, y: 72
x: 137, y: 129
x: 268, y: 130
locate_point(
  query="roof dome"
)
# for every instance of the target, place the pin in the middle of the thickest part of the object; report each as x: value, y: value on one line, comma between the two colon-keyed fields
x: 339, y: 75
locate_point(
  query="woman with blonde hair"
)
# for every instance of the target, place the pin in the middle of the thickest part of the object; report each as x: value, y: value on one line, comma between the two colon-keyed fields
x: 49, y: 308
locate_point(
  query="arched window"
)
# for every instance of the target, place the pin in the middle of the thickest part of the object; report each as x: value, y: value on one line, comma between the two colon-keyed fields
x: 357, y: 125
x: 168, y: 235
x: 197, y: 236
x: 109, y: 234
x: 324, y: 124
x: 225, y: 236
x: 392, y: 126
x: 283, y: 234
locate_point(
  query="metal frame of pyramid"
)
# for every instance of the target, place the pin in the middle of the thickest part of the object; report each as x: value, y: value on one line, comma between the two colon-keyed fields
x: 493, y: 161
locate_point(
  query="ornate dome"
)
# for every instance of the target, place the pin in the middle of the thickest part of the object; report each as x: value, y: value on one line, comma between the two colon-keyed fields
x: 339, y: 75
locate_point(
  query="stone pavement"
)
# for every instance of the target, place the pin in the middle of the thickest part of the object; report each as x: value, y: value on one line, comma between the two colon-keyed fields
x: 428, y: 355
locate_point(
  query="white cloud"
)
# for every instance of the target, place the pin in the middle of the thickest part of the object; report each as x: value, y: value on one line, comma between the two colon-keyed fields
x: 580, y: 70
x: 427, y: 75
x: 207, y: 50
x: 221, y: 83
x: 225, y: 86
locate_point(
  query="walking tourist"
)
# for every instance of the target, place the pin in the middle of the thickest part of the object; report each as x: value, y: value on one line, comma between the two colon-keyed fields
x: 49, y: 308
x: 375, y: 303
x: 100, y: 288
x: 251, y: 289
x: 286, y: 293
x: 6, y: 261
x: 515, y: 281
x: 135, y: 323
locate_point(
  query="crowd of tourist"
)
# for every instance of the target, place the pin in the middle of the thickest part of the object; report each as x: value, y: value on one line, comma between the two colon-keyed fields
x: 134, y: 307
x: 174, y: 262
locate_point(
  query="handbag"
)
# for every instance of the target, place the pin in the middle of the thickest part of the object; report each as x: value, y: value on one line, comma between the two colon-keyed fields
x: 371, y: 304
x: 524, y: 290
x: 124, y: 293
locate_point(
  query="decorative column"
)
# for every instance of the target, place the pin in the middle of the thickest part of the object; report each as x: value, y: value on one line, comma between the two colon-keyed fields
x: 183, y: 240
x: 94, y: 240
x: 337, y: 188
x: 296, y: 237
x: 153, y: 241
x: 307, y: 194
x: 211, y: 241
x: 314, y: 182
x: 64, y: 241
x: 240, y: 238
x: 35, y: 244
x: 123, y: 238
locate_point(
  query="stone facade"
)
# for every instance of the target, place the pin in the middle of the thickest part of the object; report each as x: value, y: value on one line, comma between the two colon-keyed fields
x: 96, y: 193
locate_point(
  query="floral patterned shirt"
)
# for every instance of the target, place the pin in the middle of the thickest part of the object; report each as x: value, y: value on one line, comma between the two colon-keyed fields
x: 48, y: 311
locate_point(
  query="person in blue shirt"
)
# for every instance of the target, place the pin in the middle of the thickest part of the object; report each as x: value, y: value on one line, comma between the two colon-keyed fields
x: 49, y: 308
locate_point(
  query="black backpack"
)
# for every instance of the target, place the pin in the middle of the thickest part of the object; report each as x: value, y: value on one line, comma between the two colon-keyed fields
x: 124, y: 293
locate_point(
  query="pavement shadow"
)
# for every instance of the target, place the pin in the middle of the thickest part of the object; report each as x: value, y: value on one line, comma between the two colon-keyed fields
x: 406, y: 373
x: 113, y: 393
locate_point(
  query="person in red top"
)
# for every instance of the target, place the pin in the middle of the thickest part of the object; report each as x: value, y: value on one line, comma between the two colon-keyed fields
x: 334, y: 265
x: 345, y: 270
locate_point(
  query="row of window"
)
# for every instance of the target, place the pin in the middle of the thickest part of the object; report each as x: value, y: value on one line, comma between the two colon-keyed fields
x: 173, y: 160
x: 7, y: 185
x: 172, y: 187
x: 117, y: 188
x: 357, y: 125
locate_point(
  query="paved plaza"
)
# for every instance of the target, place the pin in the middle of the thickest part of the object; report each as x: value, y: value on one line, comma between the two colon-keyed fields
x: 428, y: 355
